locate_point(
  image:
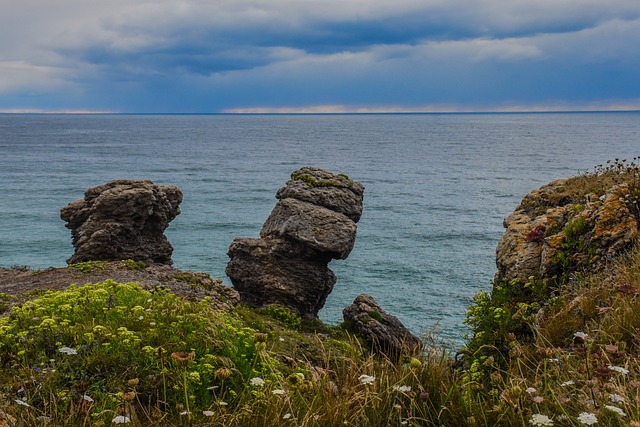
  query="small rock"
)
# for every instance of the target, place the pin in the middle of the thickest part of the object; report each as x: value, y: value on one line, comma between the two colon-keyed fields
x: 383, y: 332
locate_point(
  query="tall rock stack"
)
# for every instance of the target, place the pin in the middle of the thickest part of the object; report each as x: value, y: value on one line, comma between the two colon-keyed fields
x: 313, y: 222
x: 123, y: 219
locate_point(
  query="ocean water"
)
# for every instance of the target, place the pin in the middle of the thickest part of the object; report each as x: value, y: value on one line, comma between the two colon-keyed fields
x: 437, y: 188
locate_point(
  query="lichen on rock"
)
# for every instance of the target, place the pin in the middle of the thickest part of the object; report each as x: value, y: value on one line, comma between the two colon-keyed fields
x: 563, y: 228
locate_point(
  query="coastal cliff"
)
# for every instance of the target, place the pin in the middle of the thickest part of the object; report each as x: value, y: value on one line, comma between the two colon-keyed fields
x: 555, y: 341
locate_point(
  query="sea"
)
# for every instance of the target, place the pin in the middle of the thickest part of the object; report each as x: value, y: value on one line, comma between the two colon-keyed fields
x: 437, y: 188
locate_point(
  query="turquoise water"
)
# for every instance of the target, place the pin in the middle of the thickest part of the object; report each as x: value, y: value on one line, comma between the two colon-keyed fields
x: 437, y: 188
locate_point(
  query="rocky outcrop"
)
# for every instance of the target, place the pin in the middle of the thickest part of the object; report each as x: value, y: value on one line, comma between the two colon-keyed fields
x: 123, y: 220
x: 313, y: 222
x: 384, y: 333
x: 557, y: 231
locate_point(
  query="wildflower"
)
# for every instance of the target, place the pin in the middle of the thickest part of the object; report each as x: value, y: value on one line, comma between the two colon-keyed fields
x: 538, y: 399
x: 402, y: 388
x: 257, y: 381
x: 121, y: 419
x: 618, y: 369
x: 183, y: 357
x: 22, y: 403
x: 366, y: 379
x: 67, y: 350
x: 286, y: 416
x: 222, y: 403
x: 567, y: 383
x: 133, y: 382
x: 208, y: 413
x: 278, y: 391
x: 579, y: 337
x: 223, y: 373
x: 185, y: 413
x: 128, y: 396
x: 588, y: 418
x: 616, y: 410
x: 616, y: 398
x: 540, y: 420
x: 415, y: 363
x: 260, y: 337
x: 531, y: 390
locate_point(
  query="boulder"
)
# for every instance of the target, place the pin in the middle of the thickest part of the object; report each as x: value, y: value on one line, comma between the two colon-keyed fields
x: 313, y: 222
x: 384, y: 333
x: 555, y: 232
x: 276, y: 271
x: 123, y: 219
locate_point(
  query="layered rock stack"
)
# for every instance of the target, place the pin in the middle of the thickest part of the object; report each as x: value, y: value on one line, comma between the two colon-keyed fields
x: 123, y: 219
x: 313, y: 222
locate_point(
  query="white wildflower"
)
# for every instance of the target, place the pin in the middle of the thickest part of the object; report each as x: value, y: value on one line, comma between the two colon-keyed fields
x: 580, y: 335
x: 67, y: 350
x: 22, y: 403
x: 286, y: 416
x: 531, y: 390
x: 281, y: 339
x: 222, y: 403
x: 185, y: 413
x: 616, y: 410
x: 540, y: 420
x: 402, y: 388
x: 208, y: 413
x: 278, y: 391
x: 619, y: 369
x: 567, y: 383
x: 588, y: 418
x: 257, y: 381
x: 366, y: 379
x: 538, y: 399
x: 121, y: 419
x: 616, y: 398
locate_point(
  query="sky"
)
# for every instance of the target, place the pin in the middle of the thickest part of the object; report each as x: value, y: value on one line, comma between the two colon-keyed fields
x: 211, y: 56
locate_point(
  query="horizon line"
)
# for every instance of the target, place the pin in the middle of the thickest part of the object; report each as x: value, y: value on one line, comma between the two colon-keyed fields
x: 341, y: 109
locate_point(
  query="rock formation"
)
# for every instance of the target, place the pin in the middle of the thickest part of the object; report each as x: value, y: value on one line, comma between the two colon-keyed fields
x: 123, y: 220
x: 313, y: 222
x: 385, y: 334
x: 556, y: 231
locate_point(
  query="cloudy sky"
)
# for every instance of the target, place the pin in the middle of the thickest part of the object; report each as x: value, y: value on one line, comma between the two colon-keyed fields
x: 321, y: 55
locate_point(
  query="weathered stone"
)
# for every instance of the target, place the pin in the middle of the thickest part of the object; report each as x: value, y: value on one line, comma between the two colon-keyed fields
x: 552, y: 234
x: 383, y: 332
x: 314, y: 226
x: 123, y: 219
x: 276, y: 271
x: 322, y: 188
x: 312, y: 223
